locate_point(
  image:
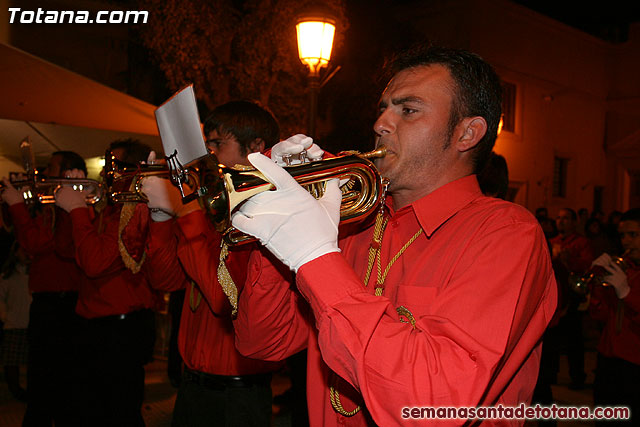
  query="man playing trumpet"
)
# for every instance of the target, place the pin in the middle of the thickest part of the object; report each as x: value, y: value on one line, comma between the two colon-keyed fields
x: 442, y: 302
x: 618, y: 305
x: 219, y: 386
x: 53, y: 282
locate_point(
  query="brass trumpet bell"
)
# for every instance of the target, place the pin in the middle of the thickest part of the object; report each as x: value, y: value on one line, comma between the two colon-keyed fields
x: 44, y: 190
x: 221, y: 190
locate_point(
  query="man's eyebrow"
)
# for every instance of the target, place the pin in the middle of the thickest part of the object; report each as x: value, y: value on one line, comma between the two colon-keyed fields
x: 399, y: 101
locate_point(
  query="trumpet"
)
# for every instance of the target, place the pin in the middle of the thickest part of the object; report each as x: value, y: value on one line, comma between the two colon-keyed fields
x: 583, y: 284
x: 44, y: 190
x: 221, y: 190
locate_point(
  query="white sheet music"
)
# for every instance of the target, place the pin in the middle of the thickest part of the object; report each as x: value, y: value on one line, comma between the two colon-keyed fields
x: 179, y: 126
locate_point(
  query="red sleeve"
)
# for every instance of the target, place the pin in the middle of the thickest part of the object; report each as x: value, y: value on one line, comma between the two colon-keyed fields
x: 483, y: 325
x: 273, y: 321
x: 96, y: 253
x: 162, y: 266
x: 33, y: 235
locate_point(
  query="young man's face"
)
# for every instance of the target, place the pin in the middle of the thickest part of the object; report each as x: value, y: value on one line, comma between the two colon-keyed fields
x: 630, y: 237
x: 53, y: 168
x: 565, y: 222
x: 227, y: 149
x: 414, y: 127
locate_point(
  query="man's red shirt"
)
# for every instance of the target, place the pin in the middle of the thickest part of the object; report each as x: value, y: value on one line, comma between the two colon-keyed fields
x: 478, y: 284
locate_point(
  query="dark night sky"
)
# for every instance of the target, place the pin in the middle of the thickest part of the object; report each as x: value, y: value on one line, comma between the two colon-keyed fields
x: 608, y: 20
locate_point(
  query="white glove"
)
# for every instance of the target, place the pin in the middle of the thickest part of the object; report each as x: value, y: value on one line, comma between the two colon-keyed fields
x: 287, y: 152
x: 164, y: 199
x: 69, y: 199
x: 617, y: 278
x: 10, y: 195
x: 293, y: 225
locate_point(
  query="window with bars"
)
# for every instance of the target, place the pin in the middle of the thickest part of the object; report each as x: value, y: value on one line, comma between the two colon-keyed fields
x: 560, y: 176
x: 508, y: 106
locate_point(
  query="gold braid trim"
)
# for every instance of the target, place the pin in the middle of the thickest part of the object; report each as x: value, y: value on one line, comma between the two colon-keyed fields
x: 125, y: 216
x: 379, y: 227
x: 225, y: 280
x: 334, y: 396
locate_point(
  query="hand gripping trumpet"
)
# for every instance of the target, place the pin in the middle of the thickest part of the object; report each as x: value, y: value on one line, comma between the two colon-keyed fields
x: 221, y: 190
x: 595, y: 276
x: 35, y: 189
x: 44, y: 190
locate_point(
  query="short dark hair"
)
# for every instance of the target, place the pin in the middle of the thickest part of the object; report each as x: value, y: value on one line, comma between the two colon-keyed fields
x: 246, y: 121
x: 134, y: 150
x: 494, y: 177
x: 478, y: 90
x: 631, y: 215
x: 70, y: 160
x: 572, y: 213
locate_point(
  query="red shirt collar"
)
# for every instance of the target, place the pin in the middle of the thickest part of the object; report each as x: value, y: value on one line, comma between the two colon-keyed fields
x: 437, y: 207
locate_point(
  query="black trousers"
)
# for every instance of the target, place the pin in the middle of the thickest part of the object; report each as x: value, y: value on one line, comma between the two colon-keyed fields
x: 111, y: 384
x: 53, y: 346
x: 200, y: 404
x: 617, y: 384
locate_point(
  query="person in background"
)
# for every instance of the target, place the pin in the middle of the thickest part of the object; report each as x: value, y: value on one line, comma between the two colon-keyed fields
x: 119, y: 262
x: 575, y: 253
x: 494, y: 177
x: 442, y: 302
x: 618, y: 305
x: 44, y: 232
x: 583, y: 217
x: 219, y: 386
x: 14, y: 313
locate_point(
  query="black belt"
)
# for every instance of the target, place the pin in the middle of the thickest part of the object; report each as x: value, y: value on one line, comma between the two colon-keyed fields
x: 222, y: 382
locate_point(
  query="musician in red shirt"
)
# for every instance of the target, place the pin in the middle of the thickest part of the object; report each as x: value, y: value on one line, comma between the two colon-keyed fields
x: 618, y: 305
x: 574, y: 252
x: 53, y: 282
x: 443, y: 302
x: 116, y: 299
x: 219, y: 385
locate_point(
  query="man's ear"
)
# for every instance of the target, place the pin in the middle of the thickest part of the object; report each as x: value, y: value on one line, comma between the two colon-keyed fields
x: 473, y: 130
x: 256, y: 146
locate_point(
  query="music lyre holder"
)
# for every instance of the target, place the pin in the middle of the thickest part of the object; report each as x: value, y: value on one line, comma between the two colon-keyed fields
x: 177, y: 172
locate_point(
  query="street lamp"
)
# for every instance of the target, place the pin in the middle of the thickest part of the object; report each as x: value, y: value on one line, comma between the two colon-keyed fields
x: 315, y: 39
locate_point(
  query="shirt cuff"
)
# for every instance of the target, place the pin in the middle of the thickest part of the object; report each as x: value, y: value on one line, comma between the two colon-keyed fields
x: 327, y: 280
x: 161, y: 231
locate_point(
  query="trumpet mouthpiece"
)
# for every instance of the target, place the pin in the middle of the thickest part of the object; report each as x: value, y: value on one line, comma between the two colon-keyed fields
x: 379, y: 152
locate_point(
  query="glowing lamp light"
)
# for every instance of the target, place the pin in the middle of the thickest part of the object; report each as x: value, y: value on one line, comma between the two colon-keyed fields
x: 315, y: 40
